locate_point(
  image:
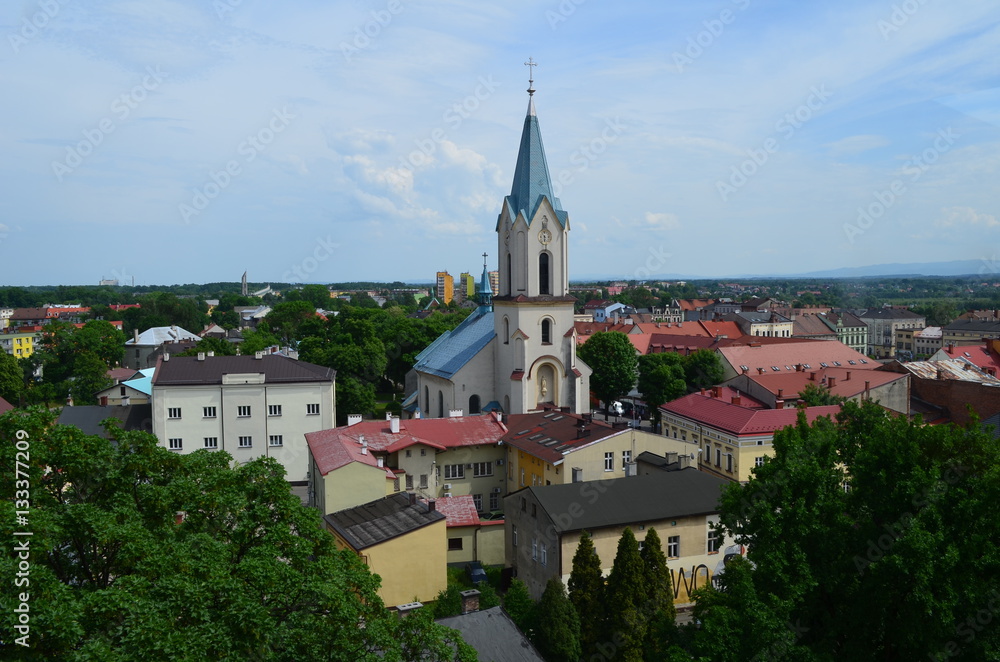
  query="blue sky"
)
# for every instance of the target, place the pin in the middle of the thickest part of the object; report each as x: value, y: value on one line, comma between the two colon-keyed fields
x: 175, y: 142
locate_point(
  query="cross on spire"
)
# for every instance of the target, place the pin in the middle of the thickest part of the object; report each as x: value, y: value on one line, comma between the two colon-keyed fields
x: 484, y: 260
x: 531, y: 64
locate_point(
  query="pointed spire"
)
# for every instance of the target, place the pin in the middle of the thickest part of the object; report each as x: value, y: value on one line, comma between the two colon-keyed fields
x: 484, y: 292
x: 532, y: 181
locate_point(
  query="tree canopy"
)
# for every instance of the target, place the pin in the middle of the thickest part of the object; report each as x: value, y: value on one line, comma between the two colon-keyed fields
x: 141, y: 553
x: 612, y: 358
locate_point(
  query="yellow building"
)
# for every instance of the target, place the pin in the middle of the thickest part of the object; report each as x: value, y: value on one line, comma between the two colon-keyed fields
x: 18, y: 345
x: 401, y: 540
x: 732, y: 432
x: 444, y: 287
x: 471, y: 538
x: 544, y: 524
x: 556, y: 447
x: 344, y: 474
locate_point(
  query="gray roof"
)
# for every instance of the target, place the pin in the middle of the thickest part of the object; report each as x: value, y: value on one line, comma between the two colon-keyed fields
x: 887, y: 314
x: 974, y: 325
x: 277, y: 369
x: 453, y: 349
x: 89, y: 418
x: 380, y: 520
x: 630, y: 500
x: 494, y: 636
x: 162, y: 334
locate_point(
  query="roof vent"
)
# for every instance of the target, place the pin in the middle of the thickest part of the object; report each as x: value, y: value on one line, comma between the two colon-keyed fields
x: 258, y: 355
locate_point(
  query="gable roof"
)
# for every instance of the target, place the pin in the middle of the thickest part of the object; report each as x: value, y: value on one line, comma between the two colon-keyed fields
x: 327, y: 446
x: 738, y: 420
x: 277, y: 369
x: 785, y: 353
x: 630, y: 500
x: 453, y: 349
x: 494, y: 636
x: 89, y: 418
x: 377, y: 521
x: 550, y: 436
x: 848, y: 381
x: 158, y: 335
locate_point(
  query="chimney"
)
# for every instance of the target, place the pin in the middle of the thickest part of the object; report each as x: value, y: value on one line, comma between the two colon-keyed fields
x: 577, y: 475
x: 736, y: 400
x: 104, y: 401
x: 456, y: 413
x: 166, y: 356
x: 416, y: 413
x: 405, y: 610
x: 781, y: 393
x: 353, y: 419
x: 716, y: 391
x: 631, y: 469
x: 394, y: 425
x: 135, y: 335
x: 867, y: 385
x: 388, y: 415
x: 812, y: 376
x: 684, y: 461
x: 258, y: 355
x: 831, y: 382
x: 779, y: 404
x: 703, y: 390
x: 848, y: 377
x: 671, y: 457
x: 364, y: 445
x: 470, y: 601
x: 746, y: 370
x: 381, y: 462
x: 760, y: 371
x: 69, y: 401
x: 179, y: 517
x: 201, y: 356
x: 431, y: 505
x: 210, y: 354
x: 940, y: 374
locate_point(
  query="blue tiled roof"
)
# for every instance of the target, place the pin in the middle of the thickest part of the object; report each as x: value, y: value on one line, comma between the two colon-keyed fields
x: 453, y: 349
x: 531, y: 175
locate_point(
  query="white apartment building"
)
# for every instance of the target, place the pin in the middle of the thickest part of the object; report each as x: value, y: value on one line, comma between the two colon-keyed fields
x: 248, y: 406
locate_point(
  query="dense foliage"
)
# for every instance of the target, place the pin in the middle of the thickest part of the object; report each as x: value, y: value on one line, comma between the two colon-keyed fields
x: 612, y: 357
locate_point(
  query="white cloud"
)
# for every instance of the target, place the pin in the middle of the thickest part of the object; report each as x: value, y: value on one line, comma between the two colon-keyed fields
x: 857, y: 144
x: 662, y: 221
x: 957, y: 216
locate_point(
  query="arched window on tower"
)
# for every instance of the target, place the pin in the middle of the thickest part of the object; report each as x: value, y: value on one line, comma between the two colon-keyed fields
x: 546, y: 331
x: 544, y: 277
x: 506, y: 331
x: 474, y: 407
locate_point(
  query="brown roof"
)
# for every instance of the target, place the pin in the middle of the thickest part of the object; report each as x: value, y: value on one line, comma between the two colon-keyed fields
x: 277, y: 369
x: 549, y: 436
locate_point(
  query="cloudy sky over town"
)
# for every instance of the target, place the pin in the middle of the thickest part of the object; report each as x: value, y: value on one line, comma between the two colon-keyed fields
x: 175, y: 142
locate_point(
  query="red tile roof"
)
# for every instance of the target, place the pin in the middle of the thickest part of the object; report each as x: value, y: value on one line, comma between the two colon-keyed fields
x: 549, y: 436
x: 738, y: 420
x: 785, y: 353
x: 328, y: 446
x: 5, y: 406
x: 978, y: 355
x: 792, y: 383
x: 458, y: 510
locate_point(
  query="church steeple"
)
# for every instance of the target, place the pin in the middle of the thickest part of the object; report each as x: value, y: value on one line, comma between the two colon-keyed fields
x: 532, y: 181
x: 484, y: 293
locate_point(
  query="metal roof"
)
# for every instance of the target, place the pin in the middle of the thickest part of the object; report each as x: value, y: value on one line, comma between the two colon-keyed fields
x: 532, y: 181
x: 453, y: 349
x: 380, y: 520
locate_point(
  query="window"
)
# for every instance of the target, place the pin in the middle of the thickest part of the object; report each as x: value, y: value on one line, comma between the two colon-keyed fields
x: 409, y: 482
x: 494, y: 501
x: 477, y: 499
x: 718, y: 457
x: 534, y: 510
x: 673, y: 547
x: 407, y: 453
x: 395, y: 484
x: 312, y: 409
x: 176, y: 444
x: 729, y: 462
x: 276, y: 440
x: 513, y: 535
x: 174, y: 412
x: 208, y: 412
x: 534, y: 549
x: 480, y: 469
x: 243, y: 411
x: 522, y: 481
x: 423, y: 452
x: 714, y: 542
x: 626, y: 458
x: 544, y: 281
x: 546, y: 332
x: 545, y: 555
x: 211, y: 442
x: 274, y: 410
x: 474, y: 407
x: 246, y: 442
x: 454, y: 471
x: 759, y: 461
x: 609, y: 461
x: 524, y: 505
x: 423, y: 481
x: 121, y: 391
x: 454, y: 544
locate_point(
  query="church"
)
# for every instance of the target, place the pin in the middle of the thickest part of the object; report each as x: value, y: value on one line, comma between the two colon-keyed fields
x: 517, y: 351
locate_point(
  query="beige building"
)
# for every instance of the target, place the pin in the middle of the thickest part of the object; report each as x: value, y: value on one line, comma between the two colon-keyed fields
x: 544, y: 525
x: 401, y: 540
x: 734, y: 436
x: 471, y: 538
x: 248, y: 406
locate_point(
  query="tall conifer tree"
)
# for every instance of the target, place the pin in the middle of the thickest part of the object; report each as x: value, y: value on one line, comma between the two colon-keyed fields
x: 625, y: 597
x: 586, y: 592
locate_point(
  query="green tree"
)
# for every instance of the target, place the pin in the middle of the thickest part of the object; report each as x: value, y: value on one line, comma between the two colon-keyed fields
x: 353, y: 397
x: 317, y: 295
x: 519, y: 605
x: 90, y: 375
x: 625, y: 599
x: 285, y: 319
x: 586, y: 592
x: 857, y: 530
x: 816, y: 395
x: 702, y: 368
x: 257, y: 340
x: 249, y: 573
x: 557, y: 636
x: 612, y: 357
x: 661, y: 379
x: 219, y: 346
x: 659, y: 605
x: 11, y: 378
x: 103, y: 339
